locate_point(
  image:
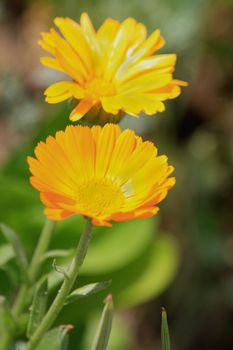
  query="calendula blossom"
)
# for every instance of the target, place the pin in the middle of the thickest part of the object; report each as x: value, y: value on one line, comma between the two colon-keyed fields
x: 114, y: 68
x: 101, y: 173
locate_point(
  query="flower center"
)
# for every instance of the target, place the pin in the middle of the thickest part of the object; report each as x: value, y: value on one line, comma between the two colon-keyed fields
x: 97, y: 88
x: 99, y: 197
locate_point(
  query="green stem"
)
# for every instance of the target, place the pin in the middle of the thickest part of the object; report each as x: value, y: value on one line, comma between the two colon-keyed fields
x: 66, y: 287
x: 34, y: 267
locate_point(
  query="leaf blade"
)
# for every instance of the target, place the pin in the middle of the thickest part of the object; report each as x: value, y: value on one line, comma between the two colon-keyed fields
x: 38, y: 308
x: 105, y: 325
x: 55, y: 339
x: 6, y: 254
x: 165, y: 337
x: 86, y: 290
x: 12, y: 237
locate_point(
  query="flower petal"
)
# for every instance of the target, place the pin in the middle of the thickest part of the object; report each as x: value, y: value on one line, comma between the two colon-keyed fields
x: 62, y: 91
x: 81, y: 109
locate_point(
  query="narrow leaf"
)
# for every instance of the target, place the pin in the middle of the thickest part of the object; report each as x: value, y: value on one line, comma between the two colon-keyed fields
x: 86, y: 290
x: 56, y: 339
x: 38, y: 307
x: 13, y: 239
x: 165, y: 332
x: 105, y: 325
x: 7, y: 321
x: 6, y: 254
x: 57, y: 253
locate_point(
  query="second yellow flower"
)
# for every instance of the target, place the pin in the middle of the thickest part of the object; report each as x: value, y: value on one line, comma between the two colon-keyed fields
x: 113, y: 68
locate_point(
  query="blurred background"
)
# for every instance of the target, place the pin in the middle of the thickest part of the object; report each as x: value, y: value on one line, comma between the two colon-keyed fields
x: 181, y: 259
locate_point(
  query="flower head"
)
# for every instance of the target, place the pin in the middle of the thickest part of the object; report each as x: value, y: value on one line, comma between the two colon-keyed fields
x: 101, y: 173
x: 114, y: 68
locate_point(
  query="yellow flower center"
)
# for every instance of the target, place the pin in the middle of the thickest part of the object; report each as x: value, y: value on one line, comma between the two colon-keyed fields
x: 97, y: 88
x: 99, y: 197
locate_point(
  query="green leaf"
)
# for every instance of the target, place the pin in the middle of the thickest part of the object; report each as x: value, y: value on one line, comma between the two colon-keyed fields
x: 7, y: 321
x: 38, y: 307
x: 86, y: 290
x: 121, y: 337
x: 13, y: 239
x: 56, y: 339
x: 105, y: 326
x: 6, y: 254
x: 56, y: 253
x: 165, y: 338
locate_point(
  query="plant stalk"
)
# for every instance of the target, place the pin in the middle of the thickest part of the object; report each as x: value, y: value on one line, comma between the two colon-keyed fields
x: 69, y: 280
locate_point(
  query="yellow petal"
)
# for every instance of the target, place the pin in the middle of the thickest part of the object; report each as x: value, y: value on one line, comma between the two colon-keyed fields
x: 61, y: 91
x: 47, y: 42
x: 154, y: 42
x: 96, y: 131
x: 68, y: 58
x: 52, y: 63
x: 45, y: 46
x: 105, y: 36
x: 137, y: 39
x: 104, y: 148
x: 107, y: 33
x: 50, y: 179
x: 147, y: 64
x: 125, y: 144
x: 83, y: 142
x: 90, y: 34
x: 145, y: 82
x: 133, y: 104
x: 119, y: 47
x: 75, y: 37
x: 138, y: 160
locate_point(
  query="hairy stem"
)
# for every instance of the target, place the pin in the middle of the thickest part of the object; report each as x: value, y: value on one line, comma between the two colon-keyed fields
x: 66, y: 287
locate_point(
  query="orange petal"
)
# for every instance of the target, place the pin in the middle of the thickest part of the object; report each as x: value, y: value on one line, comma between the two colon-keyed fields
x: 138, y: 213
x: 81, y: 109
x: 57, y: 214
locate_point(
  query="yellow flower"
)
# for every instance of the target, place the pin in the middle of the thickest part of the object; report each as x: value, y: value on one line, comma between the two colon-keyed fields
x: 113, y: 68
x: 101, y: 173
